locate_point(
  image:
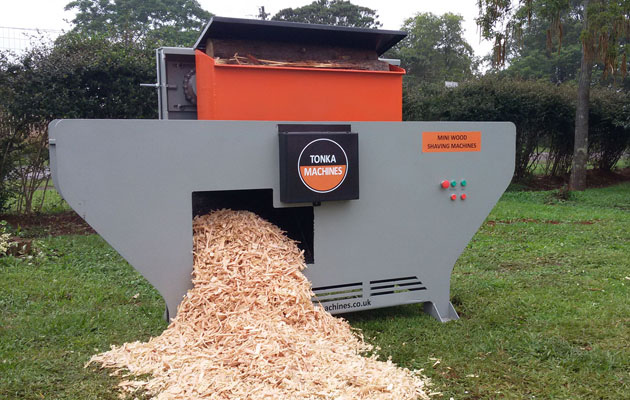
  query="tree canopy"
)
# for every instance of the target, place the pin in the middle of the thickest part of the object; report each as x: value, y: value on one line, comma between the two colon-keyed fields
x: 531, y: 56
x: 555, y: 22
x: 604, y: 38
x: 331, y: 12
x: 167, y: 22
x: 435, y: 49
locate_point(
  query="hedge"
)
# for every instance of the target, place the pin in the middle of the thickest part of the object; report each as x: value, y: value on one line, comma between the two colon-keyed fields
x: 544, y: 115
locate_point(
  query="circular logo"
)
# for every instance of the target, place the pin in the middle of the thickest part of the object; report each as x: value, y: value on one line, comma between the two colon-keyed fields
x: 322, y: 165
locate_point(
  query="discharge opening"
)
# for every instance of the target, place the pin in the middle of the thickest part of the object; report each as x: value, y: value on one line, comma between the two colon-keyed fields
x: 297, y: 222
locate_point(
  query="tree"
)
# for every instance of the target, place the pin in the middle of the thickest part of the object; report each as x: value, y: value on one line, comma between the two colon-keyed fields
x: 168, y: 22
x: 605, y: 26
x: 331, y: 12
x: 533, y: 56
x: 434, y: 49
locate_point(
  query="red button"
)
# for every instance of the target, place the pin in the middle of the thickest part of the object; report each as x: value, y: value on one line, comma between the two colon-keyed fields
x: 464, y: 196
x: 453, y: 197
x: 445, y: 184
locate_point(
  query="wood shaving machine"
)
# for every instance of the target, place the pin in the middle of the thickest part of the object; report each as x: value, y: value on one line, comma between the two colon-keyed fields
x: 301, y: 124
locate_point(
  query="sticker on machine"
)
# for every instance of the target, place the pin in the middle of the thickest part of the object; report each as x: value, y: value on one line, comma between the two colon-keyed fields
x: 447, y: 142
x: 322, y: 165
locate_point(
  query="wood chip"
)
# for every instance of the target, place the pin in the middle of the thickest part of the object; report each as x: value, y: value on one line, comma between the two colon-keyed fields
x: 251, y: 60
x: 248, y: 330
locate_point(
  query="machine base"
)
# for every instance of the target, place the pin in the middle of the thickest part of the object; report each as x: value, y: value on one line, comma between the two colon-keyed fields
x: 446, y: 312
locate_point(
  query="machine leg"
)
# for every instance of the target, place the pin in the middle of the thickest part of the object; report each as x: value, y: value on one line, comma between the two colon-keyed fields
x: 443, y: 311
x: 166, y: 316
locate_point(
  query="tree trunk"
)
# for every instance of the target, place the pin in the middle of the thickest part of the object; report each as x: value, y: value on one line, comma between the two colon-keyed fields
x: 580, y: 148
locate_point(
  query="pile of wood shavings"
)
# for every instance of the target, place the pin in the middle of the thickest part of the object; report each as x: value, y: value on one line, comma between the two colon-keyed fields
x: 248, y: 329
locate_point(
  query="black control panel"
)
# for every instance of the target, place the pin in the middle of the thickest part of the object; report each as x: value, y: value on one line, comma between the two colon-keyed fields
x: 318, y: 163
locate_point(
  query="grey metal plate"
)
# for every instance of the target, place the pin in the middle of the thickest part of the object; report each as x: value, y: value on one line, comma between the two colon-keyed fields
x: 132, y: 181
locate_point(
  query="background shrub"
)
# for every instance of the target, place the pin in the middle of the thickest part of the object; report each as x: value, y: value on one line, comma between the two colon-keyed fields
x: 80, y: 76
x: 544, y: 115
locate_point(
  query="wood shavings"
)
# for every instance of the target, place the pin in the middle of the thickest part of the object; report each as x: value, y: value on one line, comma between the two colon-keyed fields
x: 251, y: 60
x: 248, y: 330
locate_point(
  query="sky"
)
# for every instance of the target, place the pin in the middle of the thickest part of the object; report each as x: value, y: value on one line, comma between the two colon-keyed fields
x: 50, y: 14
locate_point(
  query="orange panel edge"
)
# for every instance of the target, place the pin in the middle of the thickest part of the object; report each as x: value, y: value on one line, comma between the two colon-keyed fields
x: 204, y: 66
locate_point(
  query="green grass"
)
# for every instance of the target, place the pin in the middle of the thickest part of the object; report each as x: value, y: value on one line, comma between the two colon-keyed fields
x: 624, y: 162
x: 57, y: 309
x: 543, y: 291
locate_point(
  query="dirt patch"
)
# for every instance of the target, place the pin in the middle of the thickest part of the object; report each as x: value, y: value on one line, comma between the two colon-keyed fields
x: 41, y: 225
x: 546, y: 182
x: 595, y: 178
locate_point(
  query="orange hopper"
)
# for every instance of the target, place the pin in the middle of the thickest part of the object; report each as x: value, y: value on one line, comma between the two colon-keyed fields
x: 263, y: 92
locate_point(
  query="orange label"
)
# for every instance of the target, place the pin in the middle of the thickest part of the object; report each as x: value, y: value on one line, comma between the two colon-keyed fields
x: 446, y: 142
x: 324, y: 177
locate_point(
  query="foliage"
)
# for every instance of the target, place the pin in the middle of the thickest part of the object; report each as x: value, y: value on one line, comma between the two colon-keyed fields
x: 609, y: 131
x: 168, y: 22
x: 542, y: 292
x: 5, y: 242
x: 8, y: 157
x: 81, y: 76
x: 605, y: 27
x: 506, y: 22
x: 543, y: 115
x: 532, y: 56
x: 23, y: 157
x: 606, y: 35
x: 534, y: 53
x: 435, y: 49
x: 331, y: 12
x: 31, y: 171
x: 8, y: 136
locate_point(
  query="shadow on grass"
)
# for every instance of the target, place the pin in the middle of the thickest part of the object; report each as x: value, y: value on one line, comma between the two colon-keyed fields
x: 407, y: 311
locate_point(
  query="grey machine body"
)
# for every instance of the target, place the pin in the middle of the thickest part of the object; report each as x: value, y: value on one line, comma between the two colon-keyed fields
x: 133, y: 181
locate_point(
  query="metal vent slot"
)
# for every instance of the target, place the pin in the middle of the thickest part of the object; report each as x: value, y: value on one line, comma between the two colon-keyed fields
x: 325, y: 294
x: 396, y: 285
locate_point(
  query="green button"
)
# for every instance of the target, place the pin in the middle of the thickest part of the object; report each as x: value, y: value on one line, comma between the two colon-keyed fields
x: 453, y: 183
x: 463, y: 183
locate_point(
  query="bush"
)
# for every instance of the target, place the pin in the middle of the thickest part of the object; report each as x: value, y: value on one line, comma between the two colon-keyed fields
x: 609, y: 130
x: 8, y: 159
x: 83, y: 77
x: 79, y: 77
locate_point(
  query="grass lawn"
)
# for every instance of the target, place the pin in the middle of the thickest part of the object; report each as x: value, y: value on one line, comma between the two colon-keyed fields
x: 543, y: 291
